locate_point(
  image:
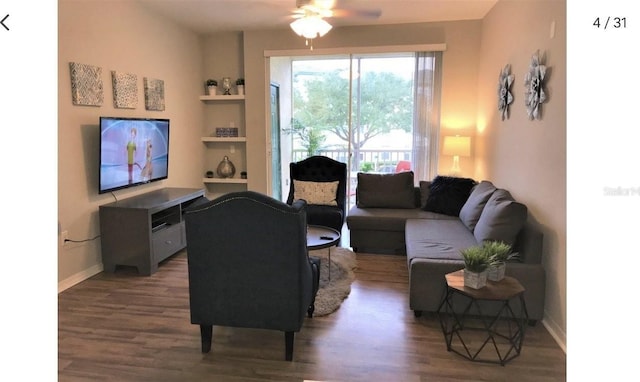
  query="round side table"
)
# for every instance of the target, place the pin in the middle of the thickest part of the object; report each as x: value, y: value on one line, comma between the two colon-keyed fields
x: 320, y: 237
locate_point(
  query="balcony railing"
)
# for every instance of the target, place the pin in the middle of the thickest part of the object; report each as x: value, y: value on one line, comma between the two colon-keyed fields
x: 385, y: 161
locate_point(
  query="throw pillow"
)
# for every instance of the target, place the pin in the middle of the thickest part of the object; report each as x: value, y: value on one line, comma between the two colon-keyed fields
x: 472, y: 208
x: 448, y: 194
x: 502, y: 218
x: 323, y: 193
x: 386, y: 190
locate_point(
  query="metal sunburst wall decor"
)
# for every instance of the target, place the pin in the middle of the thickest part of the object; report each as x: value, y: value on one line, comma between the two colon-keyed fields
x: 505, y: 98
x: 534, y: 87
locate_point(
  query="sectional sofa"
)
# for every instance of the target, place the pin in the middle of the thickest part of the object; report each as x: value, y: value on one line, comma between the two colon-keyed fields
x: 431, y: 223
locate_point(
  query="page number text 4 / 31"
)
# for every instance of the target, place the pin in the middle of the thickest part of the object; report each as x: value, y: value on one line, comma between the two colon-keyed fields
x: 610, y: 22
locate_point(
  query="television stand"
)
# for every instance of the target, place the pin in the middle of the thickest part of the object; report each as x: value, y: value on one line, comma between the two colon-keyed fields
x: 144, y: 230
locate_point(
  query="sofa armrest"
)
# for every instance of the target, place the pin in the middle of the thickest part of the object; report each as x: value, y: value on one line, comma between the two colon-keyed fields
x: 533, y: 279
x: 529, y: 244
x: 427, y: 284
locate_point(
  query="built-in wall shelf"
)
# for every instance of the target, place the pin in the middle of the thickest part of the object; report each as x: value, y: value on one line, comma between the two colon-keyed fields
x: 233, y: 97
x: 220, y: 108
x: 224, y: 139
x: 225, y: 180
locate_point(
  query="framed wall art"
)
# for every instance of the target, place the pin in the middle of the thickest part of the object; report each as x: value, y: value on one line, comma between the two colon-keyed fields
x: 505, y: 98
x: 125, y: 90
x: 153, y: 94
x: 86, y: 84
x: 534, y: 82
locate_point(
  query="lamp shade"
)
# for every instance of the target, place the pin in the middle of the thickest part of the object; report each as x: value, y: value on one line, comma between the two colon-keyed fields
x: 311, y: 26
x: 460, y: 146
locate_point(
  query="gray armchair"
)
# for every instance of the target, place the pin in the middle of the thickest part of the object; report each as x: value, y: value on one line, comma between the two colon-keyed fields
x: 249, y: 266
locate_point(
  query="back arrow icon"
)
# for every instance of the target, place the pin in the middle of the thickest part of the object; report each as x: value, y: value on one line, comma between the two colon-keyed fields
x: 2, y: 22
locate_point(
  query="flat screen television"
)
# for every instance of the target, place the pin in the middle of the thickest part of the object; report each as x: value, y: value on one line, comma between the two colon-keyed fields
x: 133, y: 151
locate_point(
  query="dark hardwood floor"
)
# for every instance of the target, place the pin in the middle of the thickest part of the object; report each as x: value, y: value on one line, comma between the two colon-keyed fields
x: 125, y: 327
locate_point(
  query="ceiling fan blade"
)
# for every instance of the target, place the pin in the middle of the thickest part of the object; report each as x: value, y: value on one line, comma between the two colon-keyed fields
x: 365, y: 13
x: 322, y: 4
x: 325, y: 8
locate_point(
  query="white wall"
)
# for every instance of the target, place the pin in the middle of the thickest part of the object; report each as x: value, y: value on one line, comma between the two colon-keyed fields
x: 529, y: 157
x: 122, y: 36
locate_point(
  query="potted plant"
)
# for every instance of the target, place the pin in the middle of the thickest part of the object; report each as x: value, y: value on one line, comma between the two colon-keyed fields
x: 240, y: 86
x: 212, y: 86
x: 498, y: 252
x: 476, y: 264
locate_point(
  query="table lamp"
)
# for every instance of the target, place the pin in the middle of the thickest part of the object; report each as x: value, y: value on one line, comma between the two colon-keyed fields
x: 456, y: 146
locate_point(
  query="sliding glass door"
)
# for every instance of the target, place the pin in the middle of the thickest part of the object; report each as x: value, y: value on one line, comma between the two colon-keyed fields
x: 382, y: 113
x: 375, y: 112
x: 355, y: 109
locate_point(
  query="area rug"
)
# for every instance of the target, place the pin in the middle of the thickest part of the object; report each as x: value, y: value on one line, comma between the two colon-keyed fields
x: 333, y: 292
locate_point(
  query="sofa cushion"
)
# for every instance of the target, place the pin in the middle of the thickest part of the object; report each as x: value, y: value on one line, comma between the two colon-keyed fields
x: 388, y: 219
x: 501, y: 219
x: 386, y: 190
x: 323, y: 193
x: 437, y: 239
x: 448, y: 194
x: 472, y: 208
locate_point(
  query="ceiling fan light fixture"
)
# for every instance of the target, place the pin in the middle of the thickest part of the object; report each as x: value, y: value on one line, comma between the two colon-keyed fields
x: 310, y: 26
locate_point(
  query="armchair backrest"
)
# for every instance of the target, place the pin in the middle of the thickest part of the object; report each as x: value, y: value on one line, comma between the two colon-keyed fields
x: 248, y: 262
x: 320, y: 169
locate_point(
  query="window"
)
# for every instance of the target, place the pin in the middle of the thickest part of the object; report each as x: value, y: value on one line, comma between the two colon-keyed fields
x: 375, y: 112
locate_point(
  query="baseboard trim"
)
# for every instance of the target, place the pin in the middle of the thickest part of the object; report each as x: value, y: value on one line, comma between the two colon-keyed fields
x: 559, y: 335
x: 79, y: 277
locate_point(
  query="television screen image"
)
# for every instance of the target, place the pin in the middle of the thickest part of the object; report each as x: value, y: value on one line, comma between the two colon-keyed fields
x: 133, y: 151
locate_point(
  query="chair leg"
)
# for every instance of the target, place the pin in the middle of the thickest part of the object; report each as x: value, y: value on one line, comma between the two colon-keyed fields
x: 206, y: 332
x: 288, y: 345
x: 310, y: 310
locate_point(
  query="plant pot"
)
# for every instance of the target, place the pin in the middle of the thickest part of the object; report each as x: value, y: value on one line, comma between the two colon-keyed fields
x: 240, y: 89
x: 496, y: 272
x: 475, y: 280
x: 212, y: 90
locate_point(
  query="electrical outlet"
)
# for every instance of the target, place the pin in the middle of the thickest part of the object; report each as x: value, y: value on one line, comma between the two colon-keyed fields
x: 64, y: 235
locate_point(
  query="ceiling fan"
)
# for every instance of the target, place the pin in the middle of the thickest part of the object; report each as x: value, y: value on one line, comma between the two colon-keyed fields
x: 310, y: 17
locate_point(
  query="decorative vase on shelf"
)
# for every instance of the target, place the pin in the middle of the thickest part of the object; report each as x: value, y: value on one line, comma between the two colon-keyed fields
x: 226, y: 169
x: 212, y: 90
x: 226, y: 85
